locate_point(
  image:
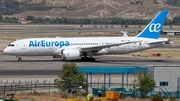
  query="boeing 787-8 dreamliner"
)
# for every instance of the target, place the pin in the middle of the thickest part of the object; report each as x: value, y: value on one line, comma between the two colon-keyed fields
x: 85, y: 48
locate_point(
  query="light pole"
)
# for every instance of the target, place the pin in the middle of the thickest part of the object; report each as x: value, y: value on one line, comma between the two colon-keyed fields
x: 173, y: 82
x: 110, y: 82
x: 98, y: 82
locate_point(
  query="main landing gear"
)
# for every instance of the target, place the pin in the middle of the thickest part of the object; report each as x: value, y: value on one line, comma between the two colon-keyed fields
x: 19, y: 58
x: 88, y: 59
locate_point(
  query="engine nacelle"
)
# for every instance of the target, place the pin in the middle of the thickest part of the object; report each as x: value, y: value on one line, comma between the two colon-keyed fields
x: 70, y: 54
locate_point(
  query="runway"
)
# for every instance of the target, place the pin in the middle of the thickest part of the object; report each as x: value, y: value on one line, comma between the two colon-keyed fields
x: 46, y: 66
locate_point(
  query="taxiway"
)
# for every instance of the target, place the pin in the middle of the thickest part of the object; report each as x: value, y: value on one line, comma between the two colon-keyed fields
x: 46, y: 66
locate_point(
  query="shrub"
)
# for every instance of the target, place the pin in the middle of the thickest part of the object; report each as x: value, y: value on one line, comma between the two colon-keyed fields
x: 96, y: 100
x: 35, y: 93
x: 156, y: 98
x: 64, y: 95
x: 123, y: 96
x: 172, y: 98
x: 143, y: 96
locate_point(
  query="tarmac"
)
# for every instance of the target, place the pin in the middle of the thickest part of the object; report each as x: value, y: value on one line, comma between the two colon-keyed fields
x: 46, y: 66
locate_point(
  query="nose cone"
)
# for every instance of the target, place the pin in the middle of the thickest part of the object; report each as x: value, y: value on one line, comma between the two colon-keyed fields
x: 6, y: 51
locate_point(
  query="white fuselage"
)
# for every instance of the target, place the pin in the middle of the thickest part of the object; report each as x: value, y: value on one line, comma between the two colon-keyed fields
x: 48, y: 46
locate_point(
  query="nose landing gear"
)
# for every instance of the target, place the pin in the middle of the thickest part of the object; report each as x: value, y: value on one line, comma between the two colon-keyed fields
x: 19, y: 58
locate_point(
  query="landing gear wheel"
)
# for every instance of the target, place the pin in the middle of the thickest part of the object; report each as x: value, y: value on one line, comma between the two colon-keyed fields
x: 92, y: 59
x: 88, y: 59
x: 19, y: 59
x: 83, y: 59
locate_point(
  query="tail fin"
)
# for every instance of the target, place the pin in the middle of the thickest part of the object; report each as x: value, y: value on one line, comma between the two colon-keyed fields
x: 153, y: 29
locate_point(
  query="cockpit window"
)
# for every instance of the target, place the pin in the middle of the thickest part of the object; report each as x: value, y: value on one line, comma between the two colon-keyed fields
x: 11, y: 45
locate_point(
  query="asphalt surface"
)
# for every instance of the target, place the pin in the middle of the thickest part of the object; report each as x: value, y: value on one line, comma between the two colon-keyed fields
x: 46, y: 66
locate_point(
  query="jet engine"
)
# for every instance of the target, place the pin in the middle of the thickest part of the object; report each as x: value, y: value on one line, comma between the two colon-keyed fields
x: 70, y: 54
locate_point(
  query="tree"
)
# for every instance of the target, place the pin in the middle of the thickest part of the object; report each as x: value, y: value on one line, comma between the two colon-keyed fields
x: 30, y: 18
x: 144, y: 82
x: 121, y: 26
x: 81, y: 25
x: 173, y: 2
x: 11, y: 3
x: 70, y: 79
x: 112, y: 26
x: 106, y: 26
x: 126, y: 25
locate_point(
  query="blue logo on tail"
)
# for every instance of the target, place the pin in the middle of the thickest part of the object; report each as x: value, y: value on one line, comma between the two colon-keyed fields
x: 153, y: 29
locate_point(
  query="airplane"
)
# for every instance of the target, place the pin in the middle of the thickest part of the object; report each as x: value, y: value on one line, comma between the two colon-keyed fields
x: 85, y: 48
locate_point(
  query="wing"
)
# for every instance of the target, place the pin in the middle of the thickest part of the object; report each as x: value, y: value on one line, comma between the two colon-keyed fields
x: 97, y: 48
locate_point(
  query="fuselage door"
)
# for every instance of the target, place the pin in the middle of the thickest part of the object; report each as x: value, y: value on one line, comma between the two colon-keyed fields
x: 101, y: 43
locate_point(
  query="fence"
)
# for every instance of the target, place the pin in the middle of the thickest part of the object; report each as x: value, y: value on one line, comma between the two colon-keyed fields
x: 43, y: 86
x: 28, y: 86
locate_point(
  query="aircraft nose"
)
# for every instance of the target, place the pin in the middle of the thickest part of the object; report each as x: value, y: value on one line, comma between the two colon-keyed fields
x: 5, y: 51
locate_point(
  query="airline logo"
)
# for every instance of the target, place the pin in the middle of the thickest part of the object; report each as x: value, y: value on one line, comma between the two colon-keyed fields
x: 44, y: 43
x: 154, y: 27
